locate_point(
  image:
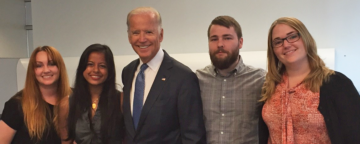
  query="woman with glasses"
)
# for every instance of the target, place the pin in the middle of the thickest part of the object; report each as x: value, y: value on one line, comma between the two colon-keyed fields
x: 304, y: 101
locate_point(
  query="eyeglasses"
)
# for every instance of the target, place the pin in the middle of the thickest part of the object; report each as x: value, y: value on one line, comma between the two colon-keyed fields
x: 290, y: 39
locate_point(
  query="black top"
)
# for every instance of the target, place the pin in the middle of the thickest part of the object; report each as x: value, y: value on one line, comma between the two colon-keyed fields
x: 13, y: 116
x: 340, y: 106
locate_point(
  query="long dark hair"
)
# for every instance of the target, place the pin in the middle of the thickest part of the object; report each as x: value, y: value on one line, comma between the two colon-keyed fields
x: 109, y: 101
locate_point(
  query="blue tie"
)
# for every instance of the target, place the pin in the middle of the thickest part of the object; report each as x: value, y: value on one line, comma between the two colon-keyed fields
x: 139, y: 94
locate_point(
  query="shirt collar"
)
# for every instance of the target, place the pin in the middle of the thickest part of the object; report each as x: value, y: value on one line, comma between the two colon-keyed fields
x: 154, y: 63
x: 238, y: 68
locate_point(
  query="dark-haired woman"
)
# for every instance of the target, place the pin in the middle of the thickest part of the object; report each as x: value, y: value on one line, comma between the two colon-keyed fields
x: 95, y: 106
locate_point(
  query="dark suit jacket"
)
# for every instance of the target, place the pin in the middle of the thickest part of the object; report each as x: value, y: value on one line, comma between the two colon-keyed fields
x: 172, y: 113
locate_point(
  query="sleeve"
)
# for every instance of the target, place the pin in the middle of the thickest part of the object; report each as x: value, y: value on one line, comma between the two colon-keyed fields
x: 263, y: 129
x: 63, y: 115
x: 347, y: 105
x: 12, y: 114
x: 191, y: 112
x: 123, y: 78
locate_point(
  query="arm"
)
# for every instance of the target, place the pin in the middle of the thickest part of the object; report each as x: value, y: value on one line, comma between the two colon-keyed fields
x: 121, y: 101
x: 6, y: 133
x: 63, y: 115
x: 190, y: 111
x: 347, y: 105
x: 263, y: 129
x: 12, y: 120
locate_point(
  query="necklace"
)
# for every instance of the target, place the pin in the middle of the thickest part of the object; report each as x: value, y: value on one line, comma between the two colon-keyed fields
x: 94, y: 104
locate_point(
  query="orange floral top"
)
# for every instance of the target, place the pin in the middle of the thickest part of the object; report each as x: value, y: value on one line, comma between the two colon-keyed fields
x: 292, y: 116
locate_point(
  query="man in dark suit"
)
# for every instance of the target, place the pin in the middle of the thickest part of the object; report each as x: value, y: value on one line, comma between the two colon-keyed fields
x: 162, y: 102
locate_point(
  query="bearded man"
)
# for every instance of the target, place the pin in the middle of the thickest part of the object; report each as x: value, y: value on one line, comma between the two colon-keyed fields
x: 230, y: 90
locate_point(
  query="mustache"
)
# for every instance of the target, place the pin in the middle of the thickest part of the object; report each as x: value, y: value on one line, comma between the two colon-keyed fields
x: 220, y: 50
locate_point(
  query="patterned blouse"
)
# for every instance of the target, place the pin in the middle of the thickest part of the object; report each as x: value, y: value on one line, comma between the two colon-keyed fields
x: 292, y: 116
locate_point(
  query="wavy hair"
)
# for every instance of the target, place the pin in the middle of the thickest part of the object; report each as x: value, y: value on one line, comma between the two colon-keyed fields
x: 318, y: 71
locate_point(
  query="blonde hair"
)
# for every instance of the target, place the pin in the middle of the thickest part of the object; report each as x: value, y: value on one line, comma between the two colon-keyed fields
x: 318, y: 71
x: 35, y: 109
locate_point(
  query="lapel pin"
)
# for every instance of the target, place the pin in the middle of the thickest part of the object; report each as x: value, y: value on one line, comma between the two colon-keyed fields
x: 163, y: 79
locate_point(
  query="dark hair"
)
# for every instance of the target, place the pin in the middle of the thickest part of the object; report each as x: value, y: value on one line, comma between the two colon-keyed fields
x: 226, y: 21
x: 109, y: 101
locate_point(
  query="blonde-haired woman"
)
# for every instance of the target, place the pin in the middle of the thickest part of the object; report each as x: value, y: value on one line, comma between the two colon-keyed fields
x: 304, y: 101
x: 31, y: 115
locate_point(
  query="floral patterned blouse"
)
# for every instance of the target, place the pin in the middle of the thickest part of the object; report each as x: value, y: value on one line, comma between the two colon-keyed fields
x: 292, y: 116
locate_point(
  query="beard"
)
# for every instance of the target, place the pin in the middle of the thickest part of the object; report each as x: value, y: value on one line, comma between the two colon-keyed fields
x: 224, y: 63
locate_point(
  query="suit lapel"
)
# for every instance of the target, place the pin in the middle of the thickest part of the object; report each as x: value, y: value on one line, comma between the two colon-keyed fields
x: 127, y: 109
x: 156, y: 88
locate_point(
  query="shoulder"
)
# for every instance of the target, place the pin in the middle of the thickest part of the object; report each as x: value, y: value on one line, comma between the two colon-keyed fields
x: 131, y: 64
x: 16, y: 99
x: 339, y: 88
x: 250, y: 74
x: 335, y: 80
x: 181, y: 68
x: 205, y: 71
x: 18, y: 95
x: 12, y: 114
x: 338, y: 76
x: 128, y: 69
x: 259, y: 72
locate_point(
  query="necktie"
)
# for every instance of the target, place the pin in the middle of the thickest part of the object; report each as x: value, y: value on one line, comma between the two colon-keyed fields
x: 139, y: 94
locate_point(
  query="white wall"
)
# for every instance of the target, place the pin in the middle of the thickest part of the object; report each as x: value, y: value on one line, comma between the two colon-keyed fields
x: 12, y: 45
x: 8, y: 80
x: 72, y: 25
x: 12, y: 31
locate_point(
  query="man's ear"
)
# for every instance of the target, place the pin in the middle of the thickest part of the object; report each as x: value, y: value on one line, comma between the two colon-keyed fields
x: 161, y: 34
x: 240, y: 42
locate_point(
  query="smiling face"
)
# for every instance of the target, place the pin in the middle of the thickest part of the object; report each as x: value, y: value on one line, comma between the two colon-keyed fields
x: 288, y: 53
x: 144, y: 35
x: 46, y: 72
x: 96, y: 71
x: 224, y: 46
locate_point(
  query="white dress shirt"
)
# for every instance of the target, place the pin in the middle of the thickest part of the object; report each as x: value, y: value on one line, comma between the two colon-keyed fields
x: 149, y: 73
